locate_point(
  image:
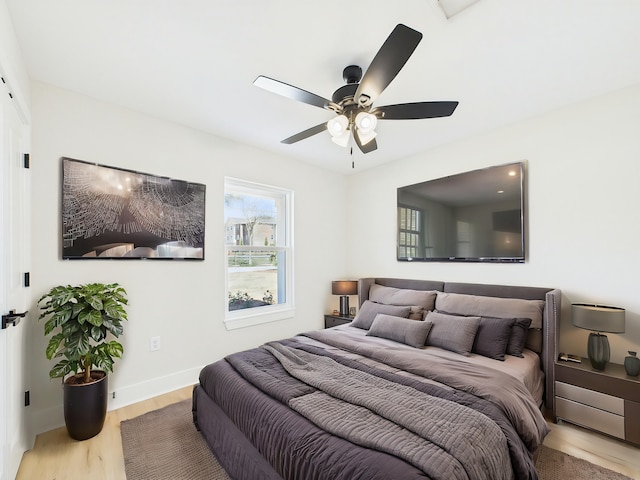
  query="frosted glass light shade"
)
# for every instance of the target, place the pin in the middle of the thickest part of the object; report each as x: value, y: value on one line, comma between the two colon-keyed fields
x: 366, y: 122
x: 365, y: 137
x: 342, y: 139
x: 338, y: 125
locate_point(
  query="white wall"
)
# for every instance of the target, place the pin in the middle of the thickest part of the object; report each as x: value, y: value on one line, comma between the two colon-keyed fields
x: 583, y: 168
x: 11, y: 64
x: 182, y: 302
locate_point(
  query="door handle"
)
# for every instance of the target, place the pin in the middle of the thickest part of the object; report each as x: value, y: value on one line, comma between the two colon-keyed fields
x: 12, y: 318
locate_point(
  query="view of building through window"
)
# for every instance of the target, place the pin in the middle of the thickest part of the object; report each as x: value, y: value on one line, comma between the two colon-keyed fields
x: 409, y: 232
x: 257, y: 245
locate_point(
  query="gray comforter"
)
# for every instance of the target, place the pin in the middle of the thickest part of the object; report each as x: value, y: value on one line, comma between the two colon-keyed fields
x: 442, y: 438
x: 445, y: 419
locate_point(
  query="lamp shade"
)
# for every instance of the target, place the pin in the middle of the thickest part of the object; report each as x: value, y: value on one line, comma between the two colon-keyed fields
x: 598, y: 318
x: 344, y: 287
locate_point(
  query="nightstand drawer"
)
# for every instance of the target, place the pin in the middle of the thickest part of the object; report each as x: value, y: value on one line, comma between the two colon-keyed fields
x: 590, y: 417
x: 598, y: 400
x: 334, y: 321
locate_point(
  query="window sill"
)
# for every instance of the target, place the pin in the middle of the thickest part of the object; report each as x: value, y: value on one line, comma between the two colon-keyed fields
x: 242, y: 319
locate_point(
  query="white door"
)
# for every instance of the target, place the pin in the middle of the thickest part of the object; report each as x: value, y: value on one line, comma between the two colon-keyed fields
x: 14, y: 260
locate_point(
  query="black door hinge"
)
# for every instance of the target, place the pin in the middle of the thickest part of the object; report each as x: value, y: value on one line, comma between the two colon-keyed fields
x: 27, y: 162
x: 27, y: 279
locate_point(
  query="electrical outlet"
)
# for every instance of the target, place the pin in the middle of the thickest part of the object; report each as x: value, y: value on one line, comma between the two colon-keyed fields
x: 154, y: 344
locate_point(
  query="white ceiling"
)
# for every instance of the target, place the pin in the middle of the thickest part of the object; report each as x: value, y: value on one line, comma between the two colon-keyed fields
x: 194, y: 61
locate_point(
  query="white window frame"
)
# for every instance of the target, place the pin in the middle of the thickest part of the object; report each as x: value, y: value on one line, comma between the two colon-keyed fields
x: 284, y: 243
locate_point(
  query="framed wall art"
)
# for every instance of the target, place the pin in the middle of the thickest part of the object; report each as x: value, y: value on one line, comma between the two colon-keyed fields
x: 113, y: 213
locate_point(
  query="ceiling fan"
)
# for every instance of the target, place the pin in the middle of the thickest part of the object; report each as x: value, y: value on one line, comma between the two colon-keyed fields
x: 353, y: 102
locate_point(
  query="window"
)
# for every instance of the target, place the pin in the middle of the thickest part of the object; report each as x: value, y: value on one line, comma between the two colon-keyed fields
x: 408, y: 232
x: 464, y: 236
x: 259, y: 253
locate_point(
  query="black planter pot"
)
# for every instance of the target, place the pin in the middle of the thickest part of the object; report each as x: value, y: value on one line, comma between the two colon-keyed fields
x: 85, y: 407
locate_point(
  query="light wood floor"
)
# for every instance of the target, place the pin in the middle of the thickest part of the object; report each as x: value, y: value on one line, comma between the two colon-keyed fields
x: 56, y: 456
x: 595, y: 448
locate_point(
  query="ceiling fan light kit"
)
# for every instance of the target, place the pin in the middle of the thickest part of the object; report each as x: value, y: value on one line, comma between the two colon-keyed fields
x: 353, y: 102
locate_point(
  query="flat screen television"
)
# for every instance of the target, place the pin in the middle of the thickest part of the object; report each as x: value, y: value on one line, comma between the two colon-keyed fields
x: 476, y: 216
x: 113, y: 213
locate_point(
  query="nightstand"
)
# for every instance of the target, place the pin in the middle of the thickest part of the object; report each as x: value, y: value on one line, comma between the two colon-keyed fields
x: 607, y: 401
x: 334, y: 320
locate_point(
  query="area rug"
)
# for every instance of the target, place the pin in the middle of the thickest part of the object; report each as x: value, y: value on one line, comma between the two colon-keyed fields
x: 164, y: 444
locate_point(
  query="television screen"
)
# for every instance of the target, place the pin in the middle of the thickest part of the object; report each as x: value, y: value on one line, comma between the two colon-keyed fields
x: 110, y: 213
x: 475, y: 216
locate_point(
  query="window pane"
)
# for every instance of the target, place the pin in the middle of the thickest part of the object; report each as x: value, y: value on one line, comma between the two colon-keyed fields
x: 250, y: 220
x: 256, y: 240
x: 408, y: 232
x: 253, y: 279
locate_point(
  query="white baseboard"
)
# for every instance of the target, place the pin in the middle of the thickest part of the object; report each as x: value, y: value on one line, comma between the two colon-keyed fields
x: 152, y: 388
x: 53, y: 417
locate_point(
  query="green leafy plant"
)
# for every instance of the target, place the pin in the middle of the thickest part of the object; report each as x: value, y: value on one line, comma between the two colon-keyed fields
x: 79, y: 319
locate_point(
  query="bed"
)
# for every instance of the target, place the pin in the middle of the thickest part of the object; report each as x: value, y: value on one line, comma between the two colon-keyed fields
x: 431, y: 380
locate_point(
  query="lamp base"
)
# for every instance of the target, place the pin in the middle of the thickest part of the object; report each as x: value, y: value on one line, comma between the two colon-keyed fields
x: 344, y: 305
x: 598, y: 350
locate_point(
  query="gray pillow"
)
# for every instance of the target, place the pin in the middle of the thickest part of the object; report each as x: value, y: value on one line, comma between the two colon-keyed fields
x: 452, y: 332
x: 463, y: 304
x: 402, y: 296
x: 493, y: 337
x: 369, y: 310
x: 518, y: 337
x: 400, y: 329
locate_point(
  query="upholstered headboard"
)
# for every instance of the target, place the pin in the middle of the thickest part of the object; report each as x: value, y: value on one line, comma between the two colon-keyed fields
x: 551, y: 312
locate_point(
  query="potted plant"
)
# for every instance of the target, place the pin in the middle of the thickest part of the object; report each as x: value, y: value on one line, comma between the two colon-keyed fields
x: 80, y: 320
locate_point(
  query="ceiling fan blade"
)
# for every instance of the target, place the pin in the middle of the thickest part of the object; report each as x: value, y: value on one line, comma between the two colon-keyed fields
x: 414, y: 111
x: 309, y: 132
x: 367, y: 147
x: 289, y: 91
x: 389, y: 60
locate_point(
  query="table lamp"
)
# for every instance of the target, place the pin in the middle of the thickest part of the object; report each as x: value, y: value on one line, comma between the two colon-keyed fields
x: 344, y: 288
x: 598, y: 318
